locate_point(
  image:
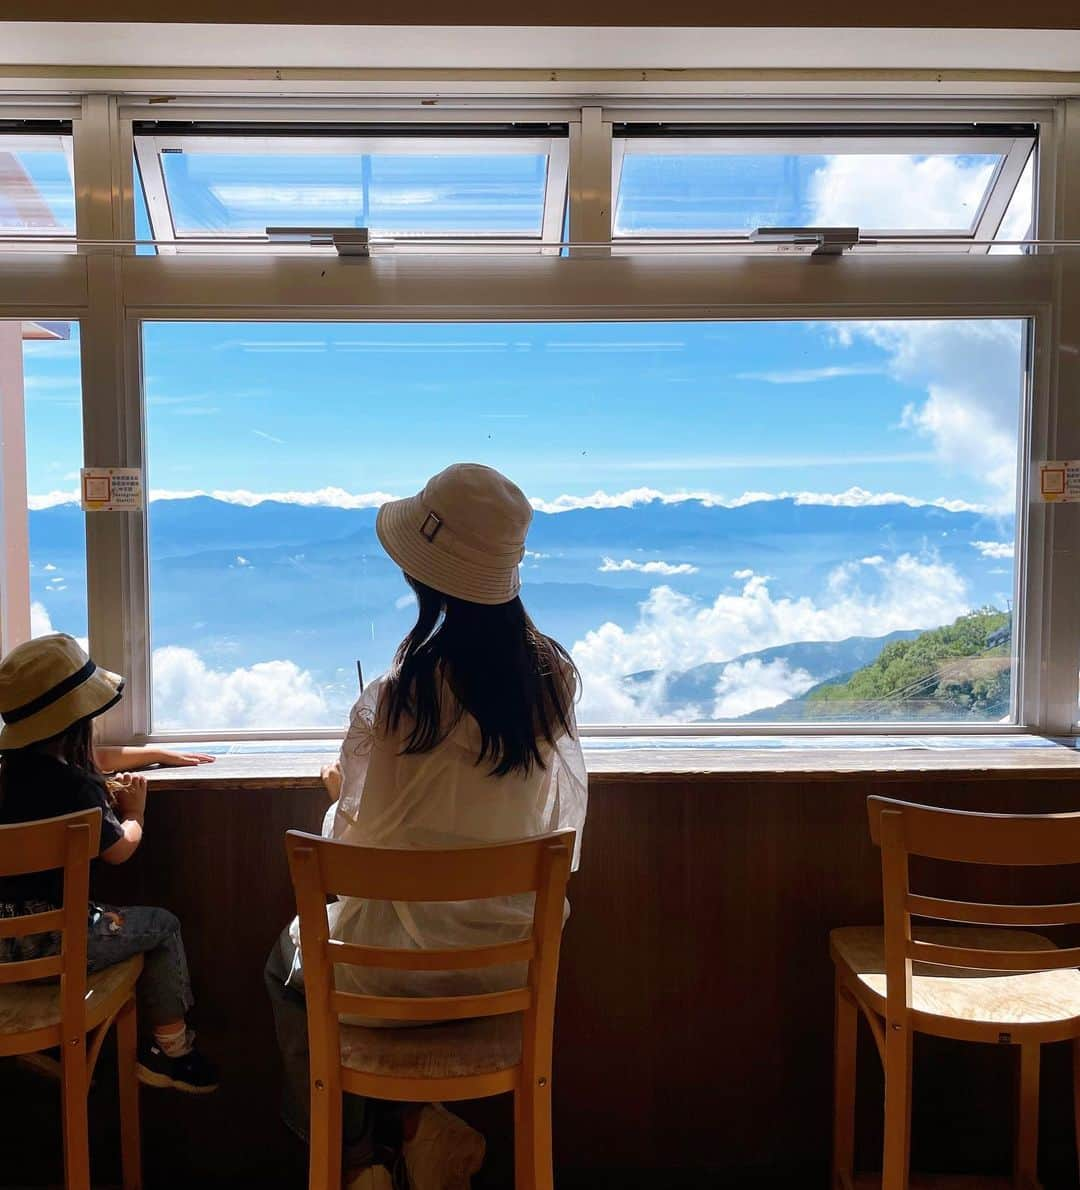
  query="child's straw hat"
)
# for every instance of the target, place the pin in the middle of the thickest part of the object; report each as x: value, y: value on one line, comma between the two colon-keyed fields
x: 46, y: 685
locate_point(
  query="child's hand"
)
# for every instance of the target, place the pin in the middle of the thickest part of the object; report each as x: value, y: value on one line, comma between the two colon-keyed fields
x: 177, y: 759
x: 111, y: 759
x: 331, y: 778
x: 130, y: 792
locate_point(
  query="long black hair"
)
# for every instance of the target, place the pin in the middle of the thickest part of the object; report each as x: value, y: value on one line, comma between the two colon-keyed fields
x: 517, y: 683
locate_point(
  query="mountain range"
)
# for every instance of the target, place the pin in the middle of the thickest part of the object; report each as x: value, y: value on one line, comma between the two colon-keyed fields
x: 240, y: 584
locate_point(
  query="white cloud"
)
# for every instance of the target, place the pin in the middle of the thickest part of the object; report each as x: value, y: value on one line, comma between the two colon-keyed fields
x: 810, y: 375
x: 535, y: 554
x: 742, y: 574
x: 40, y: 623
x: 971, y: 371
x: 995, y: 549
x: 853, y: 497
x: 666, y: 568
x: 321, y: 497
x: 747, y: 686
x: 188, y: 693
x: 331, y: 497
x: 268, y: 437
x: 675, y: 632
x: 48, y: 566
x: 404, y: 601
x: 902, y: 192
x: 873, y: 560
x: 52, y: 499
x: 241, y: 560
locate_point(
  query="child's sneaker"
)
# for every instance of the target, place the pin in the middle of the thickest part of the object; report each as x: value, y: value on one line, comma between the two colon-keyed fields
x: 190, y: 1073
x: 374, y: 1177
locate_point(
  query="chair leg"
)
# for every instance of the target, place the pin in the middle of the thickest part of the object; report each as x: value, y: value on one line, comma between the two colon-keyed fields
x: 324, y: 1137
x: 896, y: 1161
x: 533, y: 1169
x: 846, y: 1039
x: 1076, y: 1101
x: 1026, y: 1156
x: 130, y: 1135
x: 74, y: 1087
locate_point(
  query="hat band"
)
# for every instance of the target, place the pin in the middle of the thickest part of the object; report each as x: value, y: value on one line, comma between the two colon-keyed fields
x: 433, y: 526
x: 54, y: 694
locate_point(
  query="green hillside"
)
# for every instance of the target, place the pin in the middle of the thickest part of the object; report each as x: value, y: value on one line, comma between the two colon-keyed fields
x: 961, y: 669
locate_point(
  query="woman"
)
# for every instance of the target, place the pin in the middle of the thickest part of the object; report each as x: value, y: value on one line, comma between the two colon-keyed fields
x: 469, y: 738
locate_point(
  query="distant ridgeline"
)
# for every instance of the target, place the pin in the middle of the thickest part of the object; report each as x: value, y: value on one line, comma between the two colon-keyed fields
x: 960, y: 671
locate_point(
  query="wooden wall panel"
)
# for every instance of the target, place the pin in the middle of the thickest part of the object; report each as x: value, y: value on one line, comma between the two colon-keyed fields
x: 694, y: 1023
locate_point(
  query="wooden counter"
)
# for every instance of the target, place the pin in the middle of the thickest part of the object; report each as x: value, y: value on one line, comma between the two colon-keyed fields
x: 786, y: 758
x: 694, y: 1027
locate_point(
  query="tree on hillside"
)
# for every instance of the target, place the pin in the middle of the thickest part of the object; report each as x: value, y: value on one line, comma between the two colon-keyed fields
x: 963, y: 667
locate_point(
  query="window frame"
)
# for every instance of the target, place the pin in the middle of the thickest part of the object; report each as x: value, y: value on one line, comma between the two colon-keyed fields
x: 1013, y: 150
x: 346, y: 141
x: 110, y: 291
x: 39, y: 137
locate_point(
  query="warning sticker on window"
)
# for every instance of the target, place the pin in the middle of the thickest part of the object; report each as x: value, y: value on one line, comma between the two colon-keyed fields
x: 1059, y: 482
x: 112, y: 489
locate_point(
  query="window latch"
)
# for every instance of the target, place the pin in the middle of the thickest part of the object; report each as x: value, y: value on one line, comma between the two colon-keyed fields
x: 346, y: 241
x: 828, y: 241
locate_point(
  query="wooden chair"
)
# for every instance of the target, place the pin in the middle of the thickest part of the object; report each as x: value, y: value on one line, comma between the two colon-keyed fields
x: 497, y: 1041
x: 75, y: 1013
x: 975, y: 981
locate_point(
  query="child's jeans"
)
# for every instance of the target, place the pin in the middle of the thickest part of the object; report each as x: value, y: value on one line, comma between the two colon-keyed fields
x: 115, y: 934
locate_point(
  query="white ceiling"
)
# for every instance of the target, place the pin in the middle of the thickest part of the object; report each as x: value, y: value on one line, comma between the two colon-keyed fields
x: 139, y: 46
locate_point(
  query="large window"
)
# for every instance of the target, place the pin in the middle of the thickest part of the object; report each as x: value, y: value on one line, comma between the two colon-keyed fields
x: 768, y: 490
x: 40, y: 388
x: 735, y: 522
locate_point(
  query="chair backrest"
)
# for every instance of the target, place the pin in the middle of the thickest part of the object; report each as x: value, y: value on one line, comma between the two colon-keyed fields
x: 902, y: 830
x: 540, y: 865
x: 67, y: 843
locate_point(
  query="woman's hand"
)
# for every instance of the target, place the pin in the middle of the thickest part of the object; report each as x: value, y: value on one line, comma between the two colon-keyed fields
x: 129, y: 790
x: 331, y: 778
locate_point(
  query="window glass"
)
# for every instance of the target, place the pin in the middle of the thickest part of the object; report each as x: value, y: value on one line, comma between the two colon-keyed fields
x: 1019, y: 220
x: 673, y: 187
x: 735, y: 522
x: 39, y: 368
x: 37, y: 193
x: 143, y: 230
x: 215, y: 188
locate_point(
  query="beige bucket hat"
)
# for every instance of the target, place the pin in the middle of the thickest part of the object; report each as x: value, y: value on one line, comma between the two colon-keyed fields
x: 46, y: 685
x: 464, y: 534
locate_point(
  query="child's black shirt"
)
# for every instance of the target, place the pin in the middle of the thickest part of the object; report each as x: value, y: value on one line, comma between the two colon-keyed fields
x: 36, y: 785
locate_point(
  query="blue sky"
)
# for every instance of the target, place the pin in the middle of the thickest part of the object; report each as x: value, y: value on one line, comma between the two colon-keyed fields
x: 562, y: 408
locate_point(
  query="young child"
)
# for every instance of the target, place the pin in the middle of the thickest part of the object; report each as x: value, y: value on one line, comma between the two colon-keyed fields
x: 50, y: 694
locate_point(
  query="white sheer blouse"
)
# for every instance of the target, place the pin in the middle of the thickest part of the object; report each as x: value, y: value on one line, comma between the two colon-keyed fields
x: 442, y: 798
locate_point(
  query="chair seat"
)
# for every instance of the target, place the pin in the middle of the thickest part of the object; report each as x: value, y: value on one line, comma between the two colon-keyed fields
x: 27, y: 1007
x: 458, y: 1049
x: 1036, y: 998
